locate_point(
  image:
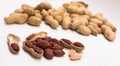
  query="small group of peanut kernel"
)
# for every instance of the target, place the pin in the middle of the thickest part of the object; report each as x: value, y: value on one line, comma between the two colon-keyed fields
x: 73, y: 15
x: 39, y: 44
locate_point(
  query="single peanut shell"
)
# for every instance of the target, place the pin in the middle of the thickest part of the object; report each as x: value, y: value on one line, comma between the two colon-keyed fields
x: 43, y: 5
x: 19, y: 11
x: 52, y: 22
x: 96, y: 27
x: 80, y: 20
x: 79, y: 4
x: 35, y: 21
x: 65, y: 44
x: 75, y: 10
x: 39, y: 35
x: 97, y: 21
x: 44, y: 13
x: 38, y: 15
x: 93, y: 30
x: 78, y: 49
x: 111, y: 26
x: 59, y: 18
x: 110, y: 35
x: 82, y: 29
x: 66, y: 22
x: 100, y: 17
x: 30, y: 50
x: 13, y: 39
x: 16, y: 18
x: 105, y: 27
x: 28, y: 9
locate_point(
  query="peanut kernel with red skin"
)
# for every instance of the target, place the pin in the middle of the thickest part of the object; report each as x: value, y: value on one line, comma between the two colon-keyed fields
x: 59, y: 53
x: 78, y: 44
x: 48, y: 53
x: 67, y: 41
x: 28, y: 44
x: 15, y: 47
x: 37, y: 49
x: 30, y: 36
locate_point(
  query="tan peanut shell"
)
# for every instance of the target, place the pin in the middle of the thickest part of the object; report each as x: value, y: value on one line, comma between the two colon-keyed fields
x: 35, y: 21
x: 108, y: 33
x: 76, y: 21
x: 30, y: 50
x: 75, y: 10
x: 96, y: 27
x: 74, y: 15
x: 66, y: 22
x: 105, y: 27
x: 89, y: 13
x: 93, y: 30
x: 43, y: 5
x: 111, y: 26
x: 52, y: 22
x: 79, y: 4
x: 100, y: 17
x: 39, y: 35
x: 13, y: 39
x: 59, y: 18
x: 19, y: 11
x: 66, y: 45
x: 76, y: 48
x: 28, y: 9
x: 16, y: 18
x: 38, y: 15
x: 82, y: 29
x: 44, y: 13
x: 96, y: 21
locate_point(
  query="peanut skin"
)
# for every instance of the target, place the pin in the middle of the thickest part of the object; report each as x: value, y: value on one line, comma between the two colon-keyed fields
x: 48, y: 53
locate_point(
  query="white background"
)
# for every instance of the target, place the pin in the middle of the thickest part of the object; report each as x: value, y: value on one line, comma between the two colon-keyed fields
x: 98, y: 51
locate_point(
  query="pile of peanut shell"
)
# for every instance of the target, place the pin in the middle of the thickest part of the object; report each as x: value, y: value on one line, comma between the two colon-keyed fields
x: 40, y: 44
x: 73, y: 15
